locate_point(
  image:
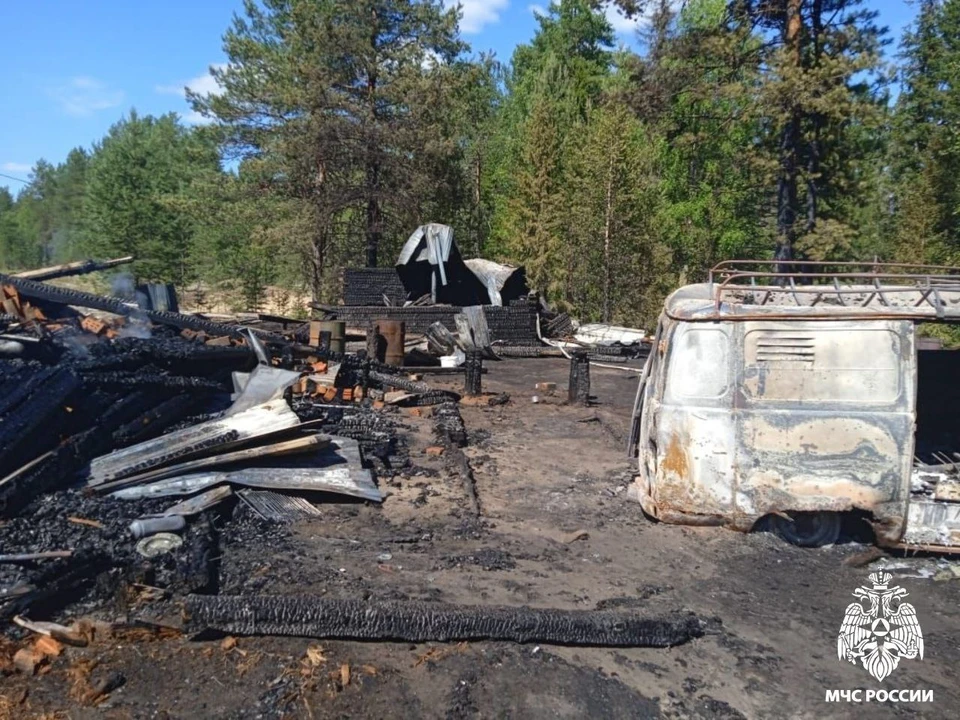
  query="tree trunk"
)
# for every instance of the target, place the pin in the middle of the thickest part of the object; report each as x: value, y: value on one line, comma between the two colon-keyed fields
x: 477, y: 211
x: 607, y: 222
x: 413, y: 621
x: 789, y: 142
x: 374, y: 214
x: 374, y: 232
x: 317, y: 253
x: 813, y: 161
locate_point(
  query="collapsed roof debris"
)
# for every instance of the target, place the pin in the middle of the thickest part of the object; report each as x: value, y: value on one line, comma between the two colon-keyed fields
x: 430, y: 264
x: 432, y: 288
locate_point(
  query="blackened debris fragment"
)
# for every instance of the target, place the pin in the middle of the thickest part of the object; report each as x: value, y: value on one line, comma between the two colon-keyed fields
x: 410, y: 621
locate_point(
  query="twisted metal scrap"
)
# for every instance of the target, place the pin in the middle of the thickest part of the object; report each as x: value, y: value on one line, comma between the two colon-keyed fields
x: 410, y: 621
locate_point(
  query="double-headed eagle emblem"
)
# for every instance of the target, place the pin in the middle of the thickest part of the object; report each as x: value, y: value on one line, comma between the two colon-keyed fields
x: 877, y: 634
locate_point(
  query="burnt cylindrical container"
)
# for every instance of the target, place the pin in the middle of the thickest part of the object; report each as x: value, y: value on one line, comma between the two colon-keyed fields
x: 394, y: 335
x: 145, y: 527
x: 338, y: 334
x: 324, y: 342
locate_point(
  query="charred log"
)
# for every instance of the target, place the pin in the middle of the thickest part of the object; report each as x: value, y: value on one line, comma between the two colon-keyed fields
x: 122, y: 380
x: 396, y: 381
x: 474, y: 373
x: 46, y: 406
x: 307, y: 616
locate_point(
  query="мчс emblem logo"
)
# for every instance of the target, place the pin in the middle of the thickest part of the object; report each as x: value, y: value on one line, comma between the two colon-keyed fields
x: 876, y: 633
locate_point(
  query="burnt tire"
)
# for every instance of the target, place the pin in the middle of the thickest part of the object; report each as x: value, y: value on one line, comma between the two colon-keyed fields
x: 808, y: 529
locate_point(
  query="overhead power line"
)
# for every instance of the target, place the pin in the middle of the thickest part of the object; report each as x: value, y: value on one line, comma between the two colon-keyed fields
x: 11, y: 177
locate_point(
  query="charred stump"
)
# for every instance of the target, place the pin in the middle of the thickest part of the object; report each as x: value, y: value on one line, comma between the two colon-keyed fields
x: 579, y: 390
x: 473, y: 373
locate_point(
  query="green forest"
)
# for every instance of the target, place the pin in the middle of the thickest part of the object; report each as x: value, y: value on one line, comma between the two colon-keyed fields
x: 791, y: 129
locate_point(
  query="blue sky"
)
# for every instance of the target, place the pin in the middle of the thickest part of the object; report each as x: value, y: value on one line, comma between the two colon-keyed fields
x: 71, y: 68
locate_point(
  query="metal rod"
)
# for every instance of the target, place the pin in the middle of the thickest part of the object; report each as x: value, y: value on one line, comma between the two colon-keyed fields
x: 734, y: 266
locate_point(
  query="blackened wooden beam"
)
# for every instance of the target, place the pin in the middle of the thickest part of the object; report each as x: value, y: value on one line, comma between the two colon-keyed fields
x: 411, y: 621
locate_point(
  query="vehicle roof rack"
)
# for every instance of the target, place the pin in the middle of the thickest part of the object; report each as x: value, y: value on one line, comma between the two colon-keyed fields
x: 834, y: 289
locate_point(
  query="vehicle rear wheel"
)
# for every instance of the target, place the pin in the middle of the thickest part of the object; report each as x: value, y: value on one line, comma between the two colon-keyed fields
x: 808, y: 529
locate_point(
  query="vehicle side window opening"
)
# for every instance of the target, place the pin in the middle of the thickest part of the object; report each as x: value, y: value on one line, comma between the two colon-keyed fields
x: 699, y: 364
x: 938, y: 406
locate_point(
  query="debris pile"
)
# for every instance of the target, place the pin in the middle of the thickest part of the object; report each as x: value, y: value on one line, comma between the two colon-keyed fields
x: 432, y: 286
x: 138, y: 444
x: 154, y: 428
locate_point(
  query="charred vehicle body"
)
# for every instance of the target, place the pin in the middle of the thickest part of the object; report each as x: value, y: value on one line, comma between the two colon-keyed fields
x: 798, y: 397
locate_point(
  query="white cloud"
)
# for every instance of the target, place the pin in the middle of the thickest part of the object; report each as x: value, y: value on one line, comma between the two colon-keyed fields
x: 627, y: 26
x: 622, y: 25
x: 475, y: 14
x: 431, y: 60
x: 202, y: 85
x: 195, y: 118
x: 16, y: 167
x: 83, y: 95
x: 537, y: 10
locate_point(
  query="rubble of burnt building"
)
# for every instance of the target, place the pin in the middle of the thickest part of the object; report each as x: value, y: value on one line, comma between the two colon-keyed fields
x: 137, y: 443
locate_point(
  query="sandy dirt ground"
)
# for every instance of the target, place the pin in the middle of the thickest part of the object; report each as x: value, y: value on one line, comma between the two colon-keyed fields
x: 556, y: 531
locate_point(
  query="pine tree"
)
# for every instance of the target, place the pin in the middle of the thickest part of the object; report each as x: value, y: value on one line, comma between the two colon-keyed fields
x: 535, y: 209
x: 11, y: 240
x: 553, y: 84
x: 925, y: 143
x: 696, y: 88
x: 824, y: 98
x: 35, y: 216
x: 621, y: 265
x: 69, y: 236
x: 340, y: 102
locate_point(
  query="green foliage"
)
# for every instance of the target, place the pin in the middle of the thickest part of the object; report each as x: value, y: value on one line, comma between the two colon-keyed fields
x: 241, y: 234
x: 135, y: 176
x: 619, y: 267
x: 552, y: 87
x: 925, y: 141
x: 12, y: 242
x: 344, y: 106
x: 44, y: 224
x: 744, y: 128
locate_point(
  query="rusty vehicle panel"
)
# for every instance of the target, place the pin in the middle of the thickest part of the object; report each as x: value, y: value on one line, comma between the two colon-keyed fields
x: 785, y: 404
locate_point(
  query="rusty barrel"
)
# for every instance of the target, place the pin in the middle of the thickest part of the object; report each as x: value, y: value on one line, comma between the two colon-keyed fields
x: 338, y: 334
x: 394, y: 336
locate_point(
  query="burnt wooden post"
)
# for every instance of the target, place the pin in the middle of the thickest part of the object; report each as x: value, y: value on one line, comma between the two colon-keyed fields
x: 579, y: 390
x: 372, y: 341
x: 323, y: 343
x: 473, y: 371
x: 365, y: 376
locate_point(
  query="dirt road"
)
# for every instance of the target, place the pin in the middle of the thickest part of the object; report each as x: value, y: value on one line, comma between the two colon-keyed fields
x: 556, y: 531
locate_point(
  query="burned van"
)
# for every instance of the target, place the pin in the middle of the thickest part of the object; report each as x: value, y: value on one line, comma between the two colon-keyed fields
x: 799, y: 397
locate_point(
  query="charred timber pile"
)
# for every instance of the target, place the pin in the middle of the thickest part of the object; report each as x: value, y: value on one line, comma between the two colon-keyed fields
x: 147, y: 408
x: 57, y: 418
x: 373, y: 286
